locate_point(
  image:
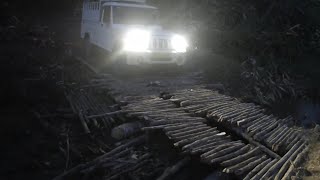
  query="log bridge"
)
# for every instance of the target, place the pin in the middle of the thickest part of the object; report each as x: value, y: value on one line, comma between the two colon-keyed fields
x: 221, y: 130
x: 266, y: 145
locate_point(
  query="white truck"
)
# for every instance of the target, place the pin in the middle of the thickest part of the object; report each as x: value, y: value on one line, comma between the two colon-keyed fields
x: 130, y: 30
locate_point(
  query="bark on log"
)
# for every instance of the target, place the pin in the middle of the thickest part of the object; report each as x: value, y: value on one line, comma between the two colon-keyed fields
x: 270, y: 141
x: 176, y: 127
x: 164, y: 122
x: 202, y: 141
x: 276, y: 166
x: 257, y: 122
x: 264, y: 170
x: 229, y: 156
x: 250, y: 140
x: 288, y: 162
x: 210, y: 145
x: 281, y: 142
x: 241, y: 158
x: 223, y: 152
x: 256, y: 169
x: 219, y: 148
x: 185, y: 141
x: 250, y: 116
x: 258, y: 136
x: 249, y: 166
x: 190, y: 131
x: 295, y: 164
x: 233, y: 168
x: 184, y: 129
x: 179, y: 138
x: 276, y: 143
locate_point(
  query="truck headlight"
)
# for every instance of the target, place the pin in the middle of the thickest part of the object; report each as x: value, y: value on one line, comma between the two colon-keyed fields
x: 136, y: 41
x: 179, y: 44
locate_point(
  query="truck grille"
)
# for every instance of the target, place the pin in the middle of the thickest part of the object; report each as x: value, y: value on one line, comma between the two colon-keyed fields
x: 160, y: 43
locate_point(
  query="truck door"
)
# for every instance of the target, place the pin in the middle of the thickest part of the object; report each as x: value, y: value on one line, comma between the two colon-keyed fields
x: 105, y: 33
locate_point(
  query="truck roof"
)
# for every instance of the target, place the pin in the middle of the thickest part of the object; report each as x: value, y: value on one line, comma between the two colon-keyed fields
x: 127, y: 4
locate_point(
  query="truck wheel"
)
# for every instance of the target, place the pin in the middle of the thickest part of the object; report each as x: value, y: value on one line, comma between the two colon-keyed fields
x: 87, y: 46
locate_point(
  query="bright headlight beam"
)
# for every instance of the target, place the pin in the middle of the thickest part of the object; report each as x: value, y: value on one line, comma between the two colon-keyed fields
x: 179, y: 44
x: 136, y: 40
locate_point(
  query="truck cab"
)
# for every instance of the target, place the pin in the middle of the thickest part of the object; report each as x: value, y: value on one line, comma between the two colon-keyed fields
x: 131, y: 30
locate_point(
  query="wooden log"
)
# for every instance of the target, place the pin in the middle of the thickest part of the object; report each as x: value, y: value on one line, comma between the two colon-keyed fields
x: 191, y: 131
x: 275, y: 142
x: 176, y: 127
x: 169, y: 172
x: 251, y: 141
x: 270, y: 141
x: 126, y: 130
x: 291, y: 137
x: 250, y: 116
x: 213, y: 112
x: 259, y: 175
x: 257, y: 122
x: 185, y: 141
x: 218, y: 111
x: 179, y: 138
x: 233, y: 168
x: 209, y: 146
x: 287, y: 163
x: 241, y: 113
x: 193, y: 108
x: 268, y: 134
x: 83, y: 123
x: 293, y: 142
x: 258, y: 136
x: 282, y: 141
x: 260, y: 127
x: 169, y: 117
x: 223, y: 152
x: 250, y: 123
x: 81, y: 118
x: 241, y: 158
x: 202, y: 141
x: 97, y: 161
x: 162, y: 127
x: 279, y: 164
x: 242, y: 107
x: 229, y: 156
x: 275, y: 133
x: 236, y: 111
x: 248, y: 167
x: 257, y: 169
x: 204, y: 111
x: 295, y: 164
x: 233, y: 109
x: 256, y: 129
x: 164, y: 122
x: 184, y: 129
x: 219, y: 148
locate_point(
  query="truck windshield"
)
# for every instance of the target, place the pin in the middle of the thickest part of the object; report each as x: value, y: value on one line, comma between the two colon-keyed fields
x: 134, y: 15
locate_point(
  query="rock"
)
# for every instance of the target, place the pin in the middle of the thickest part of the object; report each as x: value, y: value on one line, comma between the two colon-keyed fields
x: 316, y: 128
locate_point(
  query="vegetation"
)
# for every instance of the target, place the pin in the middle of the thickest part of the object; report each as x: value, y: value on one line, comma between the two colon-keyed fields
x: 282, y: 38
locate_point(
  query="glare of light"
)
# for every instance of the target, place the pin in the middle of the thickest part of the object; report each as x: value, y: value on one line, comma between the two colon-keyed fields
x: 179, y: 44
x: 136, y: 41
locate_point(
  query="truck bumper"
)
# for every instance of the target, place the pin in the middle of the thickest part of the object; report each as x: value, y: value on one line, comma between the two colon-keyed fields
x: 155, y: 58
